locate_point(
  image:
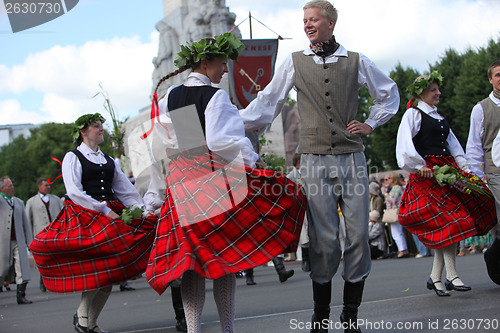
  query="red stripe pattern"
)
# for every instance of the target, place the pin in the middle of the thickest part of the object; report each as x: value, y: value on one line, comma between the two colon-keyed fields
x: 442, y: 215
x: 85, y: 250
x: 219, y: 219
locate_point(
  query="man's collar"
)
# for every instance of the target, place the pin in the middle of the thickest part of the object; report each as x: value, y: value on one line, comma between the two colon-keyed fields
x: 341, y: 52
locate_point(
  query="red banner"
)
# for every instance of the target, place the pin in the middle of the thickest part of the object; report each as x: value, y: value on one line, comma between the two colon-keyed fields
x: 253, y: 71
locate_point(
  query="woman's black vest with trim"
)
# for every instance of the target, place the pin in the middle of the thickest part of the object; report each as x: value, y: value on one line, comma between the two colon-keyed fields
x: 97, y: 179
x: 432, y: 136
x: 200, y: 96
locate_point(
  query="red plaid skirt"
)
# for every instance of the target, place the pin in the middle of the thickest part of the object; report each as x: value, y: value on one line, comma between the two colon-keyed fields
x: 442, y: 215
x: 219, y: 219
x: 85, y: 250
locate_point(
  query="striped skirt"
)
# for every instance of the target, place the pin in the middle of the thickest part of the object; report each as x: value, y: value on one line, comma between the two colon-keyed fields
x: 219, y: 219
x: 84, y: 250
x: 442, y: 215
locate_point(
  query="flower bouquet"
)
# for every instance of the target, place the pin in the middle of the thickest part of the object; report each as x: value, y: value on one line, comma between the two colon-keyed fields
x: 273, y: 163
x: 130, y: 213
x: 448, y: 175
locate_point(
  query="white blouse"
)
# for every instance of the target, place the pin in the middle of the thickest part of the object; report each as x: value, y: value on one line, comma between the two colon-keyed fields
x: 72, y: 177
x: 407, y: 156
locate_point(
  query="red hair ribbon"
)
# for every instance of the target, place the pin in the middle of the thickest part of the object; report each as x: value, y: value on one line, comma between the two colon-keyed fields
x: 409, y: 104
x: 155, y: 113
x: 52, y: 182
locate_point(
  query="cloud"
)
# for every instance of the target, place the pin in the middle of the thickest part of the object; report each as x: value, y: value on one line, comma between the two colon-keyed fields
x: 11, y: 112
x: 413, y: 32
x: 69, y: 76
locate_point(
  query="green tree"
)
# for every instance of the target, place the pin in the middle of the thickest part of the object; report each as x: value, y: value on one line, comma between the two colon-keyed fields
x: 26, y: 160
x: 384, y: 137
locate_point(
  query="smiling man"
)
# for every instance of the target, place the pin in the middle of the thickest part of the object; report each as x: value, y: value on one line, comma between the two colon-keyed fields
x: 327, y: 78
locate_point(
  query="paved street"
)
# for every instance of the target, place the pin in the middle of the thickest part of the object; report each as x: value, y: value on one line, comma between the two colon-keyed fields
x: 395, y: 300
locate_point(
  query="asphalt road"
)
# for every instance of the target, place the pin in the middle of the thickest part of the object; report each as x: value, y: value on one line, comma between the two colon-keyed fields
x: 395, y: 300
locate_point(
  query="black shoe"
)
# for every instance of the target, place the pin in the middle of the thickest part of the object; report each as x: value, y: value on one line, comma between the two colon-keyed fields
x: 492, y: 260
x: 126, y: 288
x: 96, y: 329
x: 350, y: 324
x: 432, y: 286
x: 285, y: 275
x: 318, y: 322
x: 250, y: 281
x: 181, y: 325
x: 450, y: 286
x: 249, y: 275
x: 23, y: 300
x: 43, y: 289
x: 79, y: 328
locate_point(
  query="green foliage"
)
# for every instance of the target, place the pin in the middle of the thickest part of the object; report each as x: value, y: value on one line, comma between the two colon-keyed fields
x: 424, y: 82
x: 26, y: 160
x: 130, y: 213
x: 274, y: 163
x: 226, y: 46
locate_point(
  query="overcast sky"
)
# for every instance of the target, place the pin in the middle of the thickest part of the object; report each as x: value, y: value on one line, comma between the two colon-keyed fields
x: 50, y: 73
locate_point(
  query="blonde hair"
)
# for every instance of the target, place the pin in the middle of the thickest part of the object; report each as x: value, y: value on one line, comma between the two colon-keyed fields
x: 327, y: 9
x: 396, y: 179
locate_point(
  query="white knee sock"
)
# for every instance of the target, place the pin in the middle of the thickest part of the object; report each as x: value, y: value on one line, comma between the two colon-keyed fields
x: 225, y: 296
x: 437, y: 268
x: 193, y: 299
x: 450, y: 264
x: 97, y: 305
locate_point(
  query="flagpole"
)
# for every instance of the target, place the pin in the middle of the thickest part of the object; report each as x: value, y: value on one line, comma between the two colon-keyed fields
x: 250, y: 21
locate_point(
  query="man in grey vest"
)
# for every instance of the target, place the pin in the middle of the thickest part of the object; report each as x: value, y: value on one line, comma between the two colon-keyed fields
x: 41, y: 209
x: 327, y: 78
x: 15, y: 237
x: 484, y: 127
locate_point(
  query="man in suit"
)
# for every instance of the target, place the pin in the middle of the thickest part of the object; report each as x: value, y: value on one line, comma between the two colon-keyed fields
x: 15, y: 237
x: 41, y: 209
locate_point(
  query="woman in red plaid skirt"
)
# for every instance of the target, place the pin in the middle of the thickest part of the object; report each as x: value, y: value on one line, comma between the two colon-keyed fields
x: 220, y: 215
x: 87, y: 248
x: 440, y: 216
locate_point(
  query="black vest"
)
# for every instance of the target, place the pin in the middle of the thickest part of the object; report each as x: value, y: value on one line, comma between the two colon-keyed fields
x: 432, y: 136
x: 97, y: 179
x: 182, y: 96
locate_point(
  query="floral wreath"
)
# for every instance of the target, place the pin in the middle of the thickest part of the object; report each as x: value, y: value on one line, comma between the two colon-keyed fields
x: 226, y: 46
x: 423, y: 82
x: 83, y: 122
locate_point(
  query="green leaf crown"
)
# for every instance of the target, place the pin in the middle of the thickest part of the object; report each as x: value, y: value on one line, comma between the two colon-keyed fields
x: 423, y: 82
x: 83, y: 122
x: 226, y: 46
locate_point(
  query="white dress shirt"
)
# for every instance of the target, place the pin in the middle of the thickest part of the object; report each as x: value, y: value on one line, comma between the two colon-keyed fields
x: 407, y: 156
x: 45, y: 198
x: 474, y: 148
x: 269, y: 102
x: 72, y: 177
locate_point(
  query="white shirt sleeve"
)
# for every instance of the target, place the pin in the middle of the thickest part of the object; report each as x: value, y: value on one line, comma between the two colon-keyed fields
x: 474, y: 147
x: 457, y: 151
x: 269, y: 102
x: 124, y: 190
x: 495, y: 150
x: 406, y: 154
x: 383, y: 90
x: 225, y: 131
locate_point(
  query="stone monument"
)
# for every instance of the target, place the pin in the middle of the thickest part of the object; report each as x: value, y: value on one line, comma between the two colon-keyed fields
x: 187, y: 21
